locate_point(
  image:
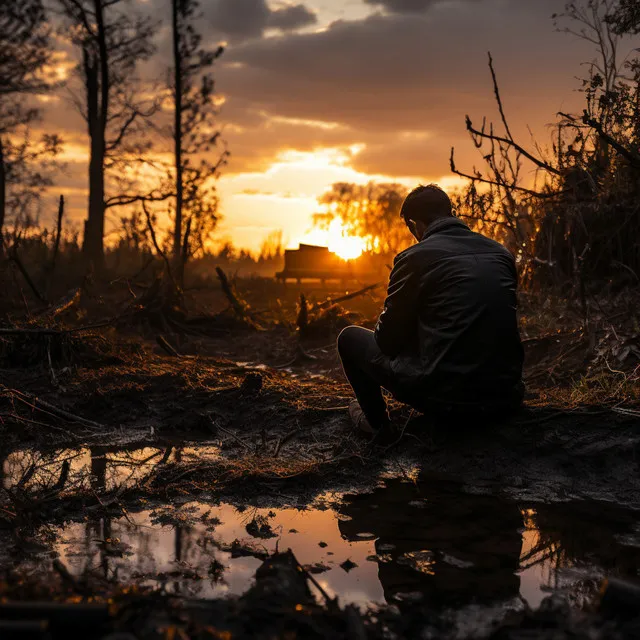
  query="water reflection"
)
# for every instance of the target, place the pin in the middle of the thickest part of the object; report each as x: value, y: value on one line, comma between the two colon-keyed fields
x: 423, y: 540
x: 104, y: 468
x: 452, y: 549
x: 185, y: 556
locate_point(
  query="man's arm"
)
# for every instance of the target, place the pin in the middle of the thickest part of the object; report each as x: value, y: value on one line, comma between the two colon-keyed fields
x: 397, y: 322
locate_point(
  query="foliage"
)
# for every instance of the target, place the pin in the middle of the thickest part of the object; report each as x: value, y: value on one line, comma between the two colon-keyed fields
x: 370, y: 211
x: 25, y: 166
x: 580, y: 219
x: 24, y: 47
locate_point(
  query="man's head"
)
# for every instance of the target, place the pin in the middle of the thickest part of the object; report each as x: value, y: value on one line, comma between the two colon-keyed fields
x: 423, y: 206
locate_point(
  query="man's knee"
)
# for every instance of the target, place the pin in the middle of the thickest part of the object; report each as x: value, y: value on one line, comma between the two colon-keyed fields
x: 347, y: 338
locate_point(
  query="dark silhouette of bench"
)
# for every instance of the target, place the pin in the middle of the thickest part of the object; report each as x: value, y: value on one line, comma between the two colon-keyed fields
x: 314, y: 263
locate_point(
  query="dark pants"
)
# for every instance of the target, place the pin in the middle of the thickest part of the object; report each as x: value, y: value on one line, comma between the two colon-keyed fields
x: 368, y: 371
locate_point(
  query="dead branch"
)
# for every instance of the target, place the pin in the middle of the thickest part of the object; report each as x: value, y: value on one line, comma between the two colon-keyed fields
x: 56, y: 246
x: 282, y: 441
x: 350, y: 296
x: 480, y: 178
x: 15, y: 258
x: 154, y: 239
x: 64, y: 304
x: 162, y: 342
x: 632, y: 156
x: 483, y: 135
x: 8, y: 331
x: 238, y: 307
x: 45, y: 407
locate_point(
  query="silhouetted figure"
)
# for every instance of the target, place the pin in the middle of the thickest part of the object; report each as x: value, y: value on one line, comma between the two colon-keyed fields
x: 447, y: 341
x: 450, y: 547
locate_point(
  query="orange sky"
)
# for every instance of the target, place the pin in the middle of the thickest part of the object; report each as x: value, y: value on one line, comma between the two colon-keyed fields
x: 336, y: 90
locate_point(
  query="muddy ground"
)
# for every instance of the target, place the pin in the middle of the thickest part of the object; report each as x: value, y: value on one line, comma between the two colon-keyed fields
x: 248, y: 406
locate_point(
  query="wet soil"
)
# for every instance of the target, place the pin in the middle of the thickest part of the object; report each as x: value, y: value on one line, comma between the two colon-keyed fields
x: 166, y: 485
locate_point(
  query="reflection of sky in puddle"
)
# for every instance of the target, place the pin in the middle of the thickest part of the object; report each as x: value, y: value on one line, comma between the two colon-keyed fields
x: 164, y: 555
x: 405, y: 541
x: 399, y: 557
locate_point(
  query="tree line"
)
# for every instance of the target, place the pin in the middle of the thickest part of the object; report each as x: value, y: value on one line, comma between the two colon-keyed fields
x: 110, y: 40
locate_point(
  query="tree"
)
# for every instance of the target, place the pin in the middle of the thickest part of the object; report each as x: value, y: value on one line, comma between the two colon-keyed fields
x: 194, y: 136
x: 625, y: 17
x: 112, y: 40
x: 370, y: 211
x: 24, y: 54
x: 24, y: 47
x: 579, y: 217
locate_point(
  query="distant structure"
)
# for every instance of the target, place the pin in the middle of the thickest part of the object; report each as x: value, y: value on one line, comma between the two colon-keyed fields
x: 315, y: 263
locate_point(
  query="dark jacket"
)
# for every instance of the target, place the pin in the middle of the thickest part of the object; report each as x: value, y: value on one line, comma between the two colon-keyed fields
x: 449, y: 322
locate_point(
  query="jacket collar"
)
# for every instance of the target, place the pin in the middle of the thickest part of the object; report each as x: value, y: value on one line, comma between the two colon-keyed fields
x: 442, y: 224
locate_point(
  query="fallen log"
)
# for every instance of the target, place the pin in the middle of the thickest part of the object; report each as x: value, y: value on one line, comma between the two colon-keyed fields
x: 65, y: 303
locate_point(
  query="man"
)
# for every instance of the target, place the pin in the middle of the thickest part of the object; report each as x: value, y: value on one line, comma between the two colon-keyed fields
x: 447, y: 342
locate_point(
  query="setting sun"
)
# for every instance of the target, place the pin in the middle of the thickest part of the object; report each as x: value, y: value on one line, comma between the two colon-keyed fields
x: 345, y: 246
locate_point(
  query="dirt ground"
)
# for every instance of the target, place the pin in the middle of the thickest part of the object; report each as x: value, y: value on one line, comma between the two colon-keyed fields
x: 263, y: 384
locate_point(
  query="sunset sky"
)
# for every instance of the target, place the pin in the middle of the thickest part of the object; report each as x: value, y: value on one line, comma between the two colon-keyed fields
x: 353, y: 90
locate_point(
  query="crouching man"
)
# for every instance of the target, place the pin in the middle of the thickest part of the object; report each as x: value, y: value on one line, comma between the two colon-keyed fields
x: 447, y: 341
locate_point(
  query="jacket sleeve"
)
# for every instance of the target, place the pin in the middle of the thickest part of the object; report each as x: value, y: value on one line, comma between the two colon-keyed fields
x: 397, y: 321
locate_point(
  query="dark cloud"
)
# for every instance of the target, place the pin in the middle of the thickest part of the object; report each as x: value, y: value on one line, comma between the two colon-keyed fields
x: 243, y: 19
x: 403, y: 6
x: 410, y: 72
x: 290, y: 17
x: 390, y: 73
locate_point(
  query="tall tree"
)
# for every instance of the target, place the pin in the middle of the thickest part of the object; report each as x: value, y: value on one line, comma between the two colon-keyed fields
x: 24, y: 54
x: 112, y: 40
x: 195, y: 136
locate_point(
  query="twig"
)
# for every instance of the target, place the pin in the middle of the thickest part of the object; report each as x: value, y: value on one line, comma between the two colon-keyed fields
x: 238, y: 307
x: 282, y: 441
x: 162, y: 342
x: 345, y: 298
x: 54, y: 332
x: 25, y: 274
x: 42, y: 405
x: 231, y: 434
x: 316, y: 584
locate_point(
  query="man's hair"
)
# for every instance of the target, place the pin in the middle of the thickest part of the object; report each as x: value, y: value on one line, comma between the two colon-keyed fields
x: 426, y: 203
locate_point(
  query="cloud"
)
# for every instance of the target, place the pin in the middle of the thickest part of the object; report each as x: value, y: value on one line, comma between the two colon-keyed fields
x: 403, y: 6
x: 291, y: 17
x: 245, y: 19
x: 411, y: 72
x: 388, y: 73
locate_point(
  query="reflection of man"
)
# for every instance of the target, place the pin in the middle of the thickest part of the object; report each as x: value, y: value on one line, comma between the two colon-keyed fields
x: 447, y: 340
x: 452, y: 548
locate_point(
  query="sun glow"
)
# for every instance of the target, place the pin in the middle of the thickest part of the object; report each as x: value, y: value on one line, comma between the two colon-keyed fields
x: 338, y: 240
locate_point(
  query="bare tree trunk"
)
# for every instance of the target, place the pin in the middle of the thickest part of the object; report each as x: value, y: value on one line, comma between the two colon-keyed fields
x: 3, y: 198
x: 97, y: 82
x: 177, y: 138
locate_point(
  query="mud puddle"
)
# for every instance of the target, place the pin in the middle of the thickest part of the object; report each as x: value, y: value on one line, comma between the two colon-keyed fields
x: 424, y: 541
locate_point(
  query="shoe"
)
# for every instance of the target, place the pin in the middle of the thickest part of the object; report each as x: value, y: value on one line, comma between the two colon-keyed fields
x: 359, y: 420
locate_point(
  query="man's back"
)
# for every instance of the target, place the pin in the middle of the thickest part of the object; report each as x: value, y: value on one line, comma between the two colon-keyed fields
x: 450, y: 321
